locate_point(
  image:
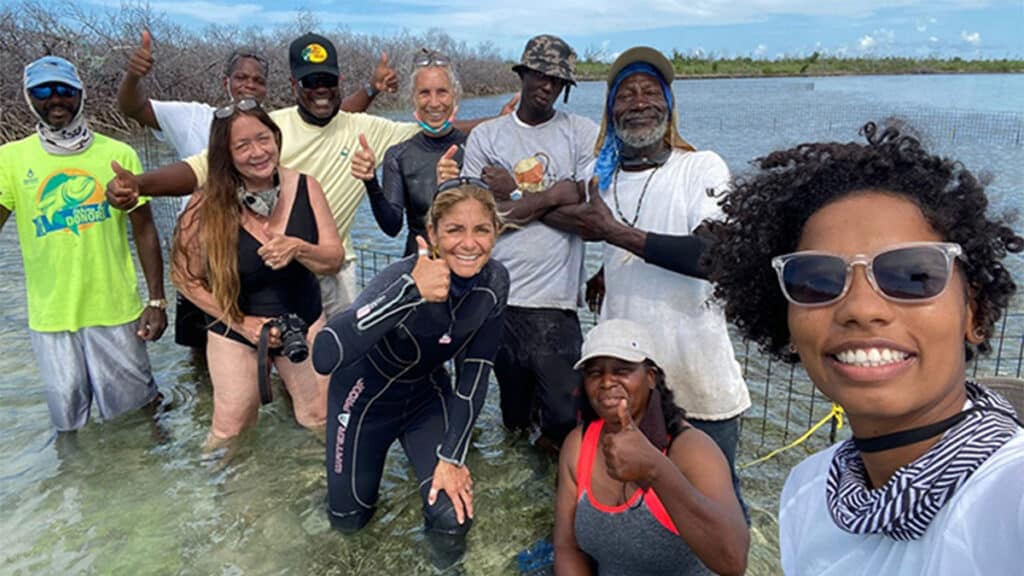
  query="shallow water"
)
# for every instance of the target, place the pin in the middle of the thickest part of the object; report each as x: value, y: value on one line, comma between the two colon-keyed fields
x: 131, y: 497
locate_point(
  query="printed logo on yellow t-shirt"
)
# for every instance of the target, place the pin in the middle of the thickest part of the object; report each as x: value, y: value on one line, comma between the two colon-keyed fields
x: 69, y: 199
x: 314, y: 53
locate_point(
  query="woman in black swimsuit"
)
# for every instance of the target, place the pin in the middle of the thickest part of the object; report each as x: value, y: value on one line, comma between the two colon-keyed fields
x: 246, y: 251
x: 386, y: 357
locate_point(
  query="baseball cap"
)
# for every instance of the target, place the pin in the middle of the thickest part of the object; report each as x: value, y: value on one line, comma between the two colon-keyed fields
x: 642, y: 54
x: 618, y: 338
x: 551, y: 56
x: 312, y: 54
x: 51, y: 69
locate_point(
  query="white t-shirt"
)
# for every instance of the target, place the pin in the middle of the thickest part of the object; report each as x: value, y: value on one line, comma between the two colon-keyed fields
x: 980, y: 531
x: 690, y: 333
x: 544, y: 264
x: 183, y: 125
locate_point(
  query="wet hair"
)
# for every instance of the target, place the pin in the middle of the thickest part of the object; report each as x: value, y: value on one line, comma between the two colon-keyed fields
x: 241, y: 54
x: 445, y: 201
x: 218, y: 216
x: 453, y: 79
x: 765, y: 213
x: 675, y: 416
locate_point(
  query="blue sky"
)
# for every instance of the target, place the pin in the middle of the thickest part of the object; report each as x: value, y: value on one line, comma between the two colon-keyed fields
x: 757, y: 28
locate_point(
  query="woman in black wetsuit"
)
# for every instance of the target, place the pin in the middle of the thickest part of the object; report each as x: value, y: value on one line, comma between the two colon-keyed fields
x: 247, y: 250
x: 386, y: 358
x: 410, y: 179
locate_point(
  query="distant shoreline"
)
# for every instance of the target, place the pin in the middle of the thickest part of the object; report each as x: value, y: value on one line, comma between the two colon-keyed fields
x: 815, y: 65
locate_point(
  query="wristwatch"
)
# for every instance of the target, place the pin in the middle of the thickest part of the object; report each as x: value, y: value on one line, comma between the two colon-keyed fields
x: 516, y: 194
x: 160, y: 303
x: 370, y: 90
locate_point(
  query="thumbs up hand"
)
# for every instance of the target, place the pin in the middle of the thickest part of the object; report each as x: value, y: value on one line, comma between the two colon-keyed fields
x: 432, y: 277
x: 279, y: 250
x: 123, y: 190
x: 628, y: 455
x: 141, y: 60
x: 384, y: 77
x: 364, y: 163
x: 447, y: 167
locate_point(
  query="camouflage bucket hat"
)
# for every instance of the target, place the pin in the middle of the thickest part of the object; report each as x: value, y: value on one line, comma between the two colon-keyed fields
x: 549, y: 55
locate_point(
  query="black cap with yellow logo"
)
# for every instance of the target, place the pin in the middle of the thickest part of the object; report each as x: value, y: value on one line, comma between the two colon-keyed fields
x: 312, y: 54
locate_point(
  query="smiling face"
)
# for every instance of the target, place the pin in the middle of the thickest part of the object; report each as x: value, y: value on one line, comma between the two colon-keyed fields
x: 254, y: 151
x: 465, y: 236
x: 609, y: 380
x: 318, y: 94
x: 890, y: 365
x: 247, y: 80
x: 57, y: 111
x: 640, y: 111
x: 433, y: 96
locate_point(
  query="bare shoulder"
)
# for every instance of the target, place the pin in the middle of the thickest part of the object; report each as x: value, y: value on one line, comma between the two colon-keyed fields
x: 693, y: 450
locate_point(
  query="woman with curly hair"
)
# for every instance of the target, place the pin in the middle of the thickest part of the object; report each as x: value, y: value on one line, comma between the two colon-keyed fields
x: 640, y: 491
x: 877, y: 267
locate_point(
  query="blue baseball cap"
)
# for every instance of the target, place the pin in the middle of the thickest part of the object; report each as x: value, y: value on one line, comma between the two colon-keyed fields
x: 52, y: 69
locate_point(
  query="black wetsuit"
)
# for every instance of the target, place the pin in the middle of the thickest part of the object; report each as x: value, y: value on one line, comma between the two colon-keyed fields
x: 386, y: 357
x: 271, y: 293
x: 410, y: 184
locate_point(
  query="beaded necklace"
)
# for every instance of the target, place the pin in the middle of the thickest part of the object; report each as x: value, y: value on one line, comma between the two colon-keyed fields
x: 639, y: 201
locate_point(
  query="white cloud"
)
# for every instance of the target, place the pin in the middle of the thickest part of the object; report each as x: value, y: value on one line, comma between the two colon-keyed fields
x: 867, y: 43
x: 933, y: 39
x: 760, y: 50
x: 974, y: 38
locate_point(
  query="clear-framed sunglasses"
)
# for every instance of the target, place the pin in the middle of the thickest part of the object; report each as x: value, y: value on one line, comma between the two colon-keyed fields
x: 245, y: 105
x: 908, y: 273
x: 430, y: 58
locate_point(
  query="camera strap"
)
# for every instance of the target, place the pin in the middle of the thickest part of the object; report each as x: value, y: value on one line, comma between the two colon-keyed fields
x: 263, y: 364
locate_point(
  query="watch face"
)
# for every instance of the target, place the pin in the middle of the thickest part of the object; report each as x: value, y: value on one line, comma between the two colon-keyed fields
x: 516, y: 194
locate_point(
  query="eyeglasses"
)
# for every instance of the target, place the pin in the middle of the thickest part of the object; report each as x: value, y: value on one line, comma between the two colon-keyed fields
x: 46, y: 91
x: 461, y: 181
x: 314, y: 81
x: 237, y: 55
x: 245, y: 105
x: 911, y: 273
x: 430, y: 58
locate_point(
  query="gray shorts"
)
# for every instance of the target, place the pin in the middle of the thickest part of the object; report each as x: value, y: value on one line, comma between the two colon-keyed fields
x: 339, y: 291
x: 109, y: 363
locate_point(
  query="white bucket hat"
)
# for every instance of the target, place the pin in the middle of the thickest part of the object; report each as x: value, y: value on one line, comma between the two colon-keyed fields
x: 618, y: 338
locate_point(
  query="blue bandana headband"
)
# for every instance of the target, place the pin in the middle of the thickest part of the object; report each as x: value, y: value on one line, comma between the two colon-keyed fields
x: 608, y: 158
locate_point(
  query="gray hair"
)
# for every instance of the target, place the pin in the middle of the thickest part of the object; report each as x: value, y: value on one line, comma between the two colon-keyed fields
x: 452, y: 79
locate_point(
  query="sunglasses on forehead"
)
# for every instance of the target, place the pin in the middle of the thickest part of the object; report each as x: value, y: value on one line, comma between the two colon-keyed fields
x: 245, y: 105
x: 907, y: 273
x: 461, y: 181
x: 47, y: 91
x: 430, y: 58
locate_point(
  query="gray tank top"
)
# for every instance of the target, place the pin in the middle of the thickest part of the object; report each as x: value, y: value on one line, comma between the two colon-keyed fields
x: 635, y: 538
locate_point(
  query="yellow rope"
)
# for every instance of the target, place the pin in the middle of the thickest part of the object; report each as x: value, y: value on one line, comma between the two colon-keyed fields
x: 836, y: 412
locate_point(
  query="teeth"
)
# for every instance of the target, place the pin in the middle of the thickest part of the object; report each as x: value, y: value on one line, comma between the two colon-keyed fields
x: 467, y: 258
x: 322, y: 102
x: 871, y: 357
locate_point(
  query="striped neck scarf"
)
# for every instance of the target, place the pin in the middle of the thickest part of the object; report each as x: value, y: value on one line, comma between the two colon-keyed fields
x: 903, y: 508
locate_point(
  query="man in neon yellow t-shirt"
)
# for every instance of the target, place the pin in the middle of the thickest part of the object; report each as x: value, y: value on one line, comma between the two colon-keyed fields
x: 87, y: 324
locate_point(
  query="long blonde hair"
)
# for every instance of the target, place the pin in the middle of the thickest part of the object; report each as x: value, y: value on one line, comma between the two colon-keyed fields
x: 217, y: 214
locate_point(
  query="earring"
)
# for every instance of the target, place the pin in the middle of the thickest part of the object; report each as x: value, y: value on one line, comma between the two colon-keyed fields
x: 978, y: 332
x: 791, y: 348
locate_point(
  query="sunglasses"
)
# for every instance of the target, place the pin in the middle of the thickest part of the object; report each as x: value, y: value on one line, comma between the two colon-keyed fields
x: 910, y: 273
x: 461, y: 181
x: 430, y: 58
x: 315, y: 81
x: 245, y: 105
x: 46, y: 91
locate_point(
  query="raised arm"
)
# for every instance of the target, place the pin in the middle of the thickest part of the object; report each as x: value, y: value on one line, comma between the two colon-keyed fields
x: 387, y: 203
x: 175, y: 179
x: 131, y: 98
x: 384, y: 80
x: 348, y: 336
